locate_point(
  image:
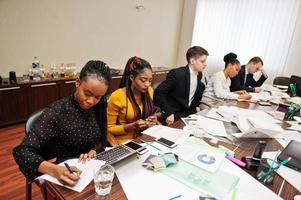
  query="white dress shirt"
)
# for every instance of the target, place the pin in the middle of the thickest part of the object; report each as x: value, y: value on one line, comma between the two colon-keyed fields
x: 219, y: 86
x: 193, y: 85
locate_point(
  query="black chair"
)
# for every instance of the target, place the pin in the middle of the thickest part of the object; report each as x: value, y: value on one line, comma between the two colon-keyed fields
x: 30, y: 122
x: 281, y: 80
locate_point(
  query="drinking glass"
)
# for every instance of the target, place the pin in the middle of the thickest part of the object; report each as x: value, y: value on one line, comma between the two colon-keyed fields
x: 103, y: 178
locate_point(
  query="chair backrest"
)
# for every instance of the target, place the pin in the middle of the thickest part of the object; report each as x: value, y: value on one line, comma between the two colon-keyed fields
x: 30, y: 122
x: 32, y: 119
x: 281, y: 80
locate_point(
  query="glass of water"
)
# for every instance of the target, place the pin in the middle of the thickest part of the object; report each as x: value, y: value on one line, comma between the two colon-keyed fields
x: 103, y: 178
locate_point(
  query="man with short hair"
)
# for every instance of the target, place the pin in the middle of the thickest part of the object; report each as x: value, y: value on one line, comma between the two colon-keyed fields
x: 180, y: 94
x: 245, y: 80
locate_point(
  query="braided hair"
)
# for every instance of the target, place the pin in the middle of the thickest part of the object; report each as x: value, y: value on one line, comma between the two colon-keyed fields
x: 100, y: 70
x: 135, y: 66
x: 231, y: 58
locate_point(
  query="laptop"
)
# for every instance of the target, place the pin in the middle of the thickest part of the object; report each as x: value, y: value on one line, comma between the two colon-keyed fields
x: 116, y: 154
x: 297, y: 80
x: 293, y: 150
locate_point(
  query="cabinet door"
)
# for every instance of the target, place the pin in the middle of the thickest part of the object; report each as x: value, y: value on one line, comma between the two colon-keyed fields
x: 13, y: 104
x: 40, y: 95
x: 67, y: 88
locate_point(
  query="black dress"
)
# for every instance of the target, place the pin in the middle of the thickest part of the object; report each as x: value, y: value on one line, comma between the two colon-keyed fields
x: 64, y: 130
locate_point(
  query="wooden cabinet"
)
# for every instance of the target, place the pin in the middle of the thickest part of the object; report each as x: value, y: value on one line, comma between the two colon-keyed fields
x: 40, y: 95
x: 19, y: 101
x: 13, y: 104
x: 66, y: 87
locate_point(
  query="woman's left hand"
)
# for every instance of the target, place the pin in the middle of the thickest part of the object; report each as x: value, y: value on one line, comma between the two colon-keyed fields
x: 152, y: 120
x: 84, y: 156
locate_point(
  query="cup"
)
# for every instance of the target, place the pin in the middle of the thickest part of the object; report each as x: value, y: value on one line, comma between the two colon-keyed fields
x: 264, y: 175
x: 25, y: 78
x: 103, y: 178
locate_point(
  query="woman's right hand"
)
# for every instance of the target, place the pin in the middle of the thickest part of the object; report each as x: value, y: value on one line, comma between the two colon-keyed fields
x: 65, y: 177
x: 141, y: 124
x: 245, y: 96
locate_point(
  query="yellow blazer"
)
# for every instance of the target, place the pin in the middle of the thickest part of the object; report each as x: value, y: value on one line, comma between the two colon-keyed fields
x: 117, y: 109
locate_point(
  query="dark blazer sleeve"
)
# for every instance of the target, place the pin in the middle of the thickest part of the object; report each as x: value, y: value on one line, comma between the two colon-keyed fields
x: 236, y: 84
x: 258, y: 83
x: 162, y: 91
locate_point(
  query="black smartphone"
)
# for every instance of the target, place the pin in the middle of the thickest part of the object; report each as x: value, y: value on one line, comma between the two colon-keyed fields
x: 137, y: 147
x: 166, y: 142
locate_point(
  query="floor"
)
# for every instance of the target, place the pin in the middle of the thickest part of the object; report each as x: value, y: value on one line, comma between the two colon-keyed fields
x: 12, y: 181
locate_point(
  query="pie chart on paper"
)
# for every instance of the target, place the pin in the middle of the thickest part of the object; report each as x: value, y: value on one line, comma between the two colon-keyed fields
x: 206, y: 159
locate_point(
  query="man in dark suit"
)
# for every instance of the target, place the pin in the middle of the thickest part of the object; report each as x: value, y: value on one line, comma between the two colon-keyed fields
x: 179, y: 95
x: 245, y: 80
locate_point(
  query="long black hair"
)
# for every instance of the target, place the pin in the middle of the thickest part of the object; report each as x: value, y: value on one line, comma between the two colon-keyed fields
x: 135, y: 66
x: 99, y: 70
x: 231, y: 58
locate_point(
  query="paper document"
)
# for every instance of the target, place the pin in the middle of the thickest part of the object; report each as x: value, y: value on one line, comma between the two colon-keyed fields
x: 203, y: 156
x: 290, y: 175
x: 258, y: 124
x: 178, y: 136
x: 219, y: 115
x: 211, y: 126
x: 85, y: 178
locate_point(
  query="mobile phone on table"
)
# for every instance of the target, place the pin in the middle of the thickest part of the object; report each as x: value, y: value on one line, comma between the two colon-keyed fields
x: 166, y: 142
x: 137, y: 147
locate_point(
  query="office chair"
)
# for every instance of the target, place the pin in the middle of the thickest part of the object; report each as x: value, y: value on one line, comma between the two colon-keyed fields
x: 30, y: 122
x: 281, y: 80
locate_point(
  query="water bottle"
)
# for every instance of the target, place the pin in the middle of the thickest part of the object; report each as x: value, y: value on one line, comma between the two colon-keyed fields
x: 35, y: 63
x: 36, y: 69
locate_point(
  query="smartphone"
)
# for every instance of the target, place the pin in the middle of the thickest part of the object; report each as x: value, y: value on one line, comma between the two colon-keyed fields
x: 137, y: 147
x: 166, y: 142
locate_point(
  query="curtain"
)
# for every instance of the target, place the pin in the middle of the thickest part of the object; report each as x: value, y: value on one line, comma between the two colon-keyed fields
x: 248, y: 28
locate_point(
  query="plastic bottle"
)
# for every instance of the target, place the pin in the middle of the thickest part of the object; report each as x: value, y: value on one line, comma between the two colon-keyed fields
x: 35, y: 62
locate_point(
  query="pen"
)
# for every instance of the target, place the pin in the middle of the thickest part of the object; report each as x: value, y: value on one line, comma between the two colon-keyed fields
x: 274, y: 168
x: 219, y: 114
x: 149, y: 144
x: 175, y: 197
x: 68, y: 167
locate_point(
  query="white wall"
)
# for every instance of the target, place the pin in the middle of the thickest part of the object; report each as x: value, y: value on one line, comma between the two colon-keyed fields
x: 186, y: 30
x: 293, y: 63
x: 62, y: 31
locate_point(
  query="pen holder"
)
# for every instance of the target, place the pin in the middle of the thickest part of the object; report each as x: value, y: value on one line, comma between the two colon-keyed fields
x: 263, y: 174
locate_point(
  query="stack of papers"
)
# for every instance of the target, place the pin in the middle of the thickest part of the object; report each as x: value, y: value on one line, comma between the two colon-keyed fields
x: 258, y: 124
x: 210, y: 126
x: 175, y: 135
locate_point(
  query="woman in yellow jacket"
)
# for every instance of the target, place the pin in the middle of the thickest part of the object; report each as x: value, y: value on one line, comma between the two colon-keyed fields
x: 130, y: 108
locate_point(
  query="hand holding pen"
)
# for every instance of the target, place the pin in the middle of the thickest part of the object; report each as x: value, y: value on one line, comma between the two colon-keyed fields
x: 67, y: 175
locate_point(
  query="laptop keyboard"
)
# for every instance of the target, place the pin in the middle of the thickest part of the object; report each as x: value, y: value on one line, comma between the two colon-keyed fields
x: 115, y: 154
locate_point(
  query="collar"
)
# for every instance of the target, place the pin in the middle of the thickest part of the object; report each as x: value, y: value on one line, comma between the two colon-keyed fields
x: 192, y: 72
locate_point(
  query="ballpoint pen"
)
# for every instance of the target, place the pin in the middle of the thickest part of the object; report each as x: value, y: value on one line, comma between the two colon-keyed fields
x: 68, y: 167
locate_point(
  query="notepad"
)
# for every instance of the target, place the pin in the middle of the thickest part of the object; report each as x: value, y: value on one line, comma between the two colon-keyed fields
x: 85, y: 178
